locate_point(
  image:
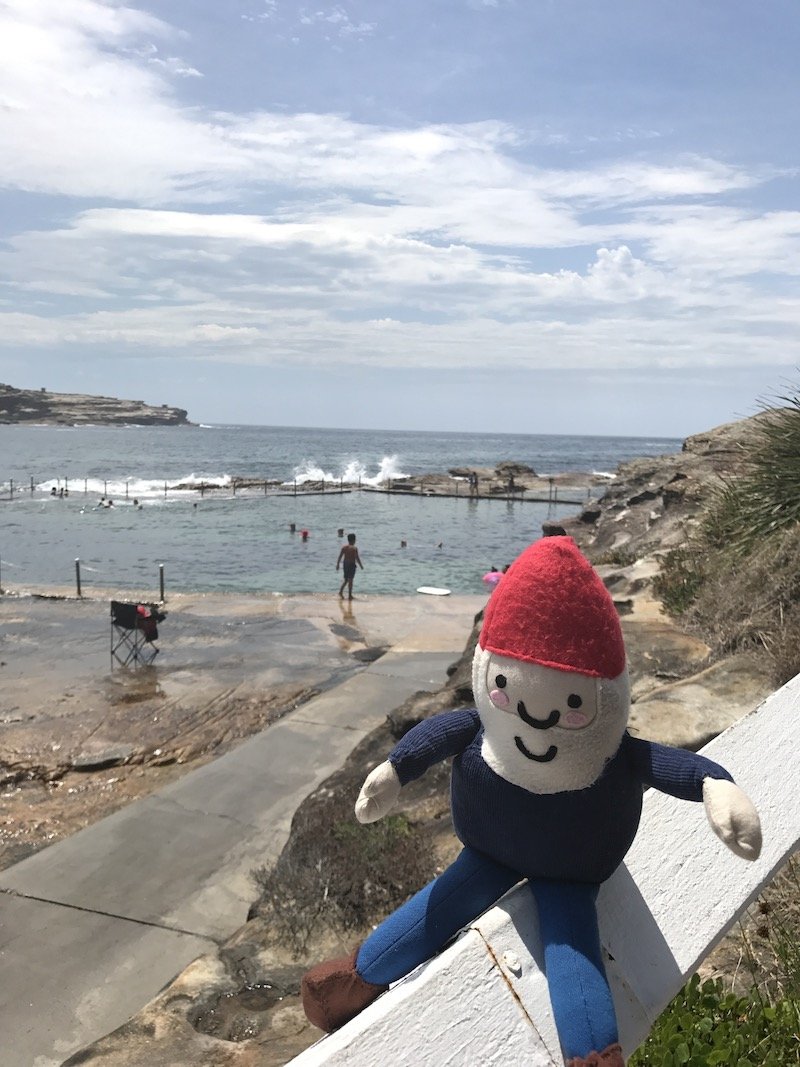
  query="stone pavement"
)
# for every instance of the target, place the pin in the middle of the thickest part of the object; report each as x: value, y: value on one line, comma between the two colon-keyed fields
x: 93, y: 926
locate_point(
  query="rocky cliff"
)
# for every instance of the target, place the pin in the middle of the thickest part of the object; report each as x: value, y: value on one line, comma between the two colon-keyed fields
x: 653, y: 503
x: 79, y: 409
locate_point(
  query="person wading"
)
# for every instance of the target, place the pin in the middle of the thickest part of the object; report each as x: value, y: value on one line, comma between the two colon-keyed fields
x: 348, y: 558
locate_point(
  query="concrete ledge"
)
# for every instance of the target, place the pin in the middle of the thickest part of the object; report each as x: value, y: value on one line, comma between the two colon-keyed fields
x: 149, y: 888
x: 65, y: 968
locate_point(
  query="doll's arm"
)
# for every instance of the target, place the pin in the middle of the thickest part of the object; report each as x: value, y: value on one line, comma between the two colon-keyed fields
x: 378, y: 794
x: 427, y: 743
x: 733, y: 817
x: 689, y: 776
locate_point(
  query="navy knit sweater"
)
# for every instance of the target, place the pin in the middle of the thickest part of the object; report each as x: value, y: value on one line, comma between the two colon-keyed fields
x: 581, y: 835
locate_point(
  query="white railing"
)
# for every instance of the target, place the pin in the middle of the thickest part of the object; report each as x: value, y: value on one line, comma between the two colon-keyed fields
x: 484, y: 999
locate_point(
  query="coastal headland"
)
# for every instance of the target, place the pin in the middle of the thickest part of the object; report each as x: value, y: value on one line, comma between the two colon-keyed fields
x: 40, y: 407
x: 79, y: 742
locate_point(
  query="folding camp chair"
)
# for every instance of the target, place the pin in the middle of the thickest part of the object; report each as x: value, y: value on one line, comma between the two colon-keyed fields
x: 134, y: 631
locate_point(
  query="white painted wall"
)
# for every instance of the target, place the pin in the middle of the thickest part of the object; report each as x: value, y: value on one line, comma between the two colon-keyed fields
x: 484, y: 1000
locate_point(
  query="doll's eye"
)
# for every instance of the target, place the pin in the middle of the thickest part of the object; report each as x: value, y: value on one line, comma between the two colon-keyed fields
x: 500, y: 681
x: 574, y: 701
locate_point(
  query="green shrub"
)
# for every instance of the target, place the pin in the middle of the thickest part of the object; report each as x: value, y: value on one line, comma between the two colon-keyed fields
x: 757, y: 1022
x: 705, y: 1026
x: 737, y: 580
x: 768, y: 497
x: 680, y: 578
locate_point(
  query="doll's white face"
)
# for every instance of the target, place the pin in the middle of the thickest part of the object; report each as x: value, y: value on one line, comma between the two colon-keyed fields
x: 546, y: 730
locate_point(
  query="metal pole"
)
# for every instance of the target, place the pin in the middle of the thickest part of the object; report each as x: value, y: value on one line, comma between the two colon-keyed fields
x: 126, y: 490
x: 165, y: 490
x: 11, y: 488
x: 31, y: 483
x: 78, y: 577
x: 105, y: 488
x: 161, y: 580
x: 85, y: 486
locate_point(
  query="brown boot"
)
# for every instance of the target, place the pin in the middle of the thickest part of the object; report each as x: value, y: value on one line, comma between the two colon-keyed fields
x: 334, y: 993
x: 609, y: 1057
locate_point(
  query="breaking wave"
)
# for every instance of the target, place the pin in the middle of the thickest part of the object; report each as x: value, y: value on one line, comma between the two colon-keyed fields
x: 354, y: 473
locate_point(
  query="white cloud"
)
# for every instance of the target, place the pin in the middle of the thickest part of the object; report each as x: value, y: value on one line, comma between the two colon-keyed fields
x: 87, y: 109
x: 337, y: 18
x: 435, y: 245
x: 727, y: 241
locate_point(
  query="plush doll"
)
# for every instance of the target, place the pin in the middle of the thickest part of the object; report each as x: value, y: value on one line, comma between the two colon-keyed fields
x: 546, y: 786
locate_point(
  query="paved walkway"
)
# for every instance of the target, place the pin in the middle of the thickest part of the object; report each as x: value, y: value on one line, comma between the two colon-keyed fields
x: 92, y: 927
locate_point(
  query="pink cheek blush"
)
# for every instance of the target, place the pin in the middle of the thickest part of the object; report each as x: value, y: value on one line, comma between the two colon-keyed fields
x: 575, y: 718
x: 499, y: 698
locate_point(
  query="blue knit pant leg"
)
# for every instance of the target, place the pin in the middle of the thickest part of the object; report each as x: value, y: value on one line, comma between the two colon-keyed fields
x: 421, y: 926
x: 576, y: 978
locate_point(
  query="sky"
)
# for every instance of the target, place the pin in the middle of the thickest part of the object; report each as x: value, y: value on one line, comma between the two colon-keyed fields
x: 544, y: 216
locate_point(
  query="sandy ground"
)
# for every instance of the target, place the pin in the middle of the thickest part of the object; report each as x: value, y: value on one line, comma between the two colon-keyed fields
x: 80, y: 737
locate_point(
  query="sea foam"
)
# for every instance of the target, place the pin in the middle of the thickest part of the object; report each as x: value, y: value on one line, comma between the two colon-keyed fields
x: 354, y: 472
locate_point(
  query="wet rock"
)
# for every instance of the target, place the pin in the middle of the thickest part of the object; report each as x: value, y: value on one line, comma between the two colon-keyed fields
x: 238, y: 1015
x: 552, y: 529
x: 98, y: 756
x: 369, y: 655
x: 506, y: 469
x: 350, y: 633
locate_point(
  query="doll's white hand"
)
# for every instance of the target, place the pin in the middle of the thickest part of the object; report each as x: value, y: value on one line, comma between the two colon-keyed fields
x: 732, y: 816
x: 378, y: 794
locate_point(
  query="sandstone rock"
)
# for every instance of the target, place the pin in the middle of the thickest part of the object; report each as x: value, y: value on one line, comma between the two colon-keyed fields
x: 652, y: 502
x: 691, y: 712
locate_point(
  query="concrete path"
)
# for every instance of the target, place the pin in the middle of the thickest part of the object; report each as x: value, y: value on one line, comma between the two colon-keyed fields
x: 92, y: 927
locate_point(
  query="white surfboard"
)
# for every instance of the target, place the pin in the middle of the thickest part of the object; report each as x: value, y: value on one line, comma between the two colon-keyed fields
x: 433, y: 590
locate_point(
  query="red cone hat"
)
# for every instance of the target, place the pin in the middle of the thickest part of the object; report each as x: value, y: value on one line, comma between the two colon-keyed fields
x: 552, y: 608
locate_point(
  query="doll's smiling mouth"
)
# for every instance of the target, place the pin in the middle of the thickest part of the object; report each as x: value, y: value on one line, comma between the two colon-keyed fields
x: 538, y: 724
x: 546, y: 758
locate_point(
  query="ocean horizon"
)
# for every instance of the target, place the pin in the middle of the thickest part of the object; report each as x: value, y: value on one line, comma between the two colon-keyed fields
x: 242, y: 541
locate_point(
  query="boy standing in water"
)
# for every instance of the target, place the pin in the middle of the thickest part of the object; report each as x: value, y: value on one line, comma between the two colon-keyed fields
x: 348, y: 558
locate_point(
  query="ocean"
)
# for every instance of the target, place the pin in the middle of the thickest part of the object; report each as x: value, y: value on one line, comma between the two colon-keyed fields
x: 242, y: 542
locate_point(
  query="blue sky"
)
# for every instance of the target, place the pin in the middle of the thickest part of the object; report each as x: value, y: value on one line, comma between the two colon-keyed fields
x: 491, y: 215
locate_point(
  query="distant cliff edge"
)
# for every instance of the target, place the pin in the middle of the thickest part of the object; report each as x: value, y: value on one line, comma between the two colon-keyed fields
x: 76, y: 409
